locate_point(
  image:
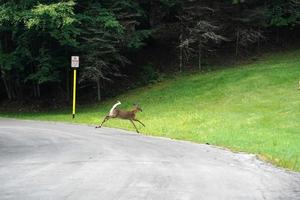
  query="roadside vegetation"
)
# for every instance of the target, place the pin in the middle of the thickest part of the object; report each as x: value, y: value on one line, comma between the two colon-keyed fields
x: 252, y: 108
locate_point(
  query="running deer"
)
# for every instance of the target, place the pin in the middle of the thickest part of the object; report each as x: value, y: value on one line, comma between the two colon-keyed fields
x: 117, y: 113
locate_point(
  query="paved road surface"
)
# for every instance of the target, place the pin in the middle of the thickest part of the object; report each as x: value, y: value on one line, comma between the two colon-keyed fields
x: 41, y: 160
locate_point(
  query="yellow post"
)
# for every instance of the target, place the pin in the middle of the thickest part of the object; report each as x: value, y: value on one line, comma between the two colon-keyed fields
x: 74, y: 94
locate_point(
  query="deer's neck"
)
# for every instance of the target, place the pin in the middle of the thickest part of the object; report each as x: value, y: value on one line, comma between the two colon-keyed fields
x: 134, y: 111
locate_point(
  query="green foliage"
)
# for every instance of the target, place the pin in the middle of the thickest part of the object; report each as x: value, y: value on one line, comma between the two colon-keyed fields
x: 148, y: 74
x: 7, y: 61
x: 30, y: 32
x: 37, y: 37
x: 45, y: 72
x: 10, y: 14
x: 283, y: 13
x: 136, y: 39
x: 54, y: 15
x: 57, y: 19
x: 103, y: 35
x: 109, y: 21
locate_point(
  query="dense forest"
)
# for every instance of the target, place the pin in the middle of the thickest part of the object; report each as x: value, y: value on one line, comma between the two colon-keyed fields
x: 128, y: 43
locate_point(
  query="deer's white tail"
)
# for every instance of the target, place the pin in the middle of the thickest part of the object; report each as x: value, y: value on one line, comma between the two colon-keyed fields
x: 112, y: 109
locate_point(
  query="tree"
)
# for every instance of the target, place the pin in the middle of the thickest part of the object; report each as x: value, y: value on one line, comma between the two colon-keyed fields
x: 105, y: 33
x: 200, y: 33
x: 282, y: 14
x: 31, y: 31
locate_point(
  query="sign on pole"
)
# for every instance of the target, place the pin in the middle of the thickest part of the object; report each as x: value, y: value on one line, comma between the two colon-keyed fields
x: 75, y: 61
x: 74, y: 65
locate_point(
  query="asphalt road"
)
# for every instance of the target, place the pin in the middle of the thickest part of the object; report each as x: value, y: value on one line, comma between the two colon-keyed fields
x: 41, y: 160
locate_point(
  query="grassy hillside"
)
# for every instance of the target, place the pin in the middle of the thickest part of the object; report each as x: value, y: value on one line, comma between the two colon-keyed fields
x: 253, y: 108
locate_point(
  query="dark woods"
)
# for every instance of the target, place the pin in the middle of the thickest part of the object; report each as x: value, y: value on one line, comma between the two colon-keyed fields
x: 126, y: 43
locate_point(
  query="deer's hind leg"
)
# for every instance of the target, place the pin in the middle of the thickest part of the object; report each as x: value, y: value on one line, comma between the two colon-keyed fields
x: 134, y: 126
x: 104, y: 120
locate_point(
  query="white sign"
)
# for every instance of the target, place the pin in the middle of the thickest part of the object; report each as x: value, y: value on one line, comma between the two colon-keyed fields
x: 75, y: 61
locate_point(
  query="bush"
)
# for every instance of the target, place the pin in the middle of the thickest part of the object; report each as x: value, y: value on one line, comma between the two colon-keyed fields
x: 148, y: 74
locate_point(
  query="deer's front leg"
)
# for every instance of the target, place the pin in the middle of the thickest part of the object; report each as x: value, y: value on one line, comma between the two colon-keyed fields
x: 139, y: 122
x: 134, y: 126
x: 104, y: 120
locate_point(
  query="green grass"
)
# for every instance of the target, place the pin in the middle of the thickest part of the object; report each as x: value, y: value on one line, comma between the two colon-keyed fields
x: 253, y: 108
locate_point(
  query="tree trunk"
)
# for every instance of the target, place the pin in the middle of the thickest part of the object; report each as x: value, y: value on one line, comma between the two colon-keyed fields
x: 18, y: 90
x: 7, y: 89
x: 237, y: 42
x: 68, y: 85
x: 199, y: 54
x: 98, y: 90
x: 11, y: 89
x: 180, y: 54
x: 38, y: 90
x: 277, y: 35
x: 258, y: 46
x: 34, y: 91
x: 180, y: 47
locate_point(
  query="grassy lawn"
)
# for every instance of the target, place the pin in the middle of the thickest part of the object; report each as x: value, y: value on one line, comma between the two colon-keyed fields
x: 253, y: 108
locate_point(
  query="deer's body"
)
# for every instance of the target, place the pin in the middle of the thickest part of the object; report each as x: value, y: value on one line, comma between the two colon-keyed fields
x: 124, y: 114
x: 128, y: 115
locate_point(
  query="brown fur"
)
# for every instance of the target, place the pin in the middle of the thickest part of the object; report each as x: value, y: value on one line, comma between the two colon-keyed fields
x: 128, y: 115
